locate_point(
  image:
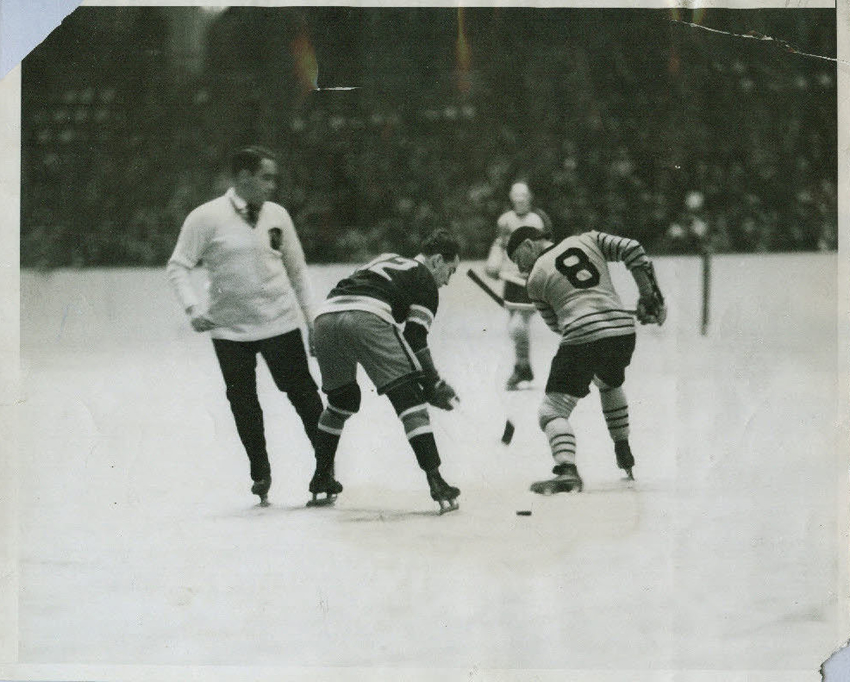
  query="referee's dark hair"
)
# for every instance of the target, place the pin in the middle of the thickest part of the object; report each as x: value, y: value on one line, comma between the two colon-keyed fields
x: 250, y: 158
x: 519, y: 235
x: 443, y: 242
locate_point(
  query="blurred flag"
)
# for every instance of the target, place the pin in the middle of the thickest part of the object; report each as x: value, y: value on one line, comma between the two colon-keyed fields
x: 305, y: 63
x: 463, y: 55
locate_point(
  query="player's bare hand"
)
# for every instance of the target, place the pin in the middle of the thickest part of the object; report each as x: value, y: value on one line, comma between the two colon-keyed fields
x: 442, y: 396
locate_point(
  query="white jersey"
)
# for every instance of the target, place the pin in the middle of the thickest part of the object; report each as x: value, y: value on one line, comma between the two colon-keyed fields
x: 258, y: 277
x: 507, y: 223
x: 570, y: 285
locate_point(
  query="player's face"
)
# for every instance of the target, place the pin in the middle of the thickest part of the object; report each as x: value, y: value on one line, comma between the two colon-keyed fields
x: 444, y: 269
x: 520, y: 198
x: 260, y: 186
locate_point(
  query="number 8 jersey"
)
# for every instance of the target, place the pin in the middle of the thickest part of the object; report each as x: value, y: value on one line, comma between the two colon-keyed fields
x: 571, y: 286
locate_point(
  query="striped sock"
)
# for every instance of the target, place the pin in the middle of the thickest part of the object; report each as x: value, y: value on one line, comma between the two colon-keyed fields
x: 328, y: 433
x: 417, y: 428
x: 562, y: 440
x: 615, y: 407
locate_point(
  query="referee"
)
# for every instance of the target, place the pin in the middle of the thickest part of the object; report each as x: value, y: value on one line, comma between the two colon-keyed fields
x: 257, y: 296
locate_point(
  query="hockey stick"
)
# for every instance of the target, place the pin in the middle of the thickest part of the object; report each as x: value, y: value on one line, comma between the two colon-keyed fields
x: 475, y: 277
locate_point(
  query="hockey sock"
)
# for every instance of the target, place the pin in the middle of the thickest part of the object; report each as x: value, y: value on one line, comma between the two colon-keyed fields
x: 412, y: 410
x: 327, y: 437
x: 615, y: 407
x: 562, y: 440
x: 518, y: 329
x: 554, y: 415
x: 343, y: 402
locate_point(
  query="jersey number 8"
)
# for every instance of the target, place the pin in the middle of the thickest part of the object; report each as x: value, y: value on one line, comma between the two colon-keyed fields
x: 579, y: 271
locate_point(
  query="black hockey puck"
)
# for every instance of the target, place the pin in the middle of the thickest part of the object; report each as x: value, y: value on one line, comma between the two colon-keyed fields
x: 508, y: 433
x: 524, y: 512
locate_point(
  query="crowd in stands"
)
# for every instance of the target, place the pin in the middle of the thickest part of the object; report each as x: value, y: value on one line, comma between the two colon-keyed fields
x: 695, y: 142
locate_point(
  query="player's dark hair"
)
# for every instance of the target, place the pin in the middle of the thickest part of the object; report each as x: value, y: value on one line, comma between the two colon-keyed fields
x: 443, y: 242
x: 519, y: 235
x: 250, y: 158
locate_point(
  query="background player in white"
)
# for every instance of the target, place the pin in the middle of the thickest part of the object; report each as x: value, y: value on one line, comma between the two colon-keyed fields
x: 570, y: 284
x: 258, y: 287
x: 498, y: 265
x: 379, y: 317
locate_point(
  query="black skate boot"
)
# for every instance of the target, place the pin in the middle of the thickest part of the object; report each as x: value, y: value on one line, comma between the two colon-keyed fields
x: 625, y: 459
x: 323, y: 481
x: 522, y: 374
x: 566, y: 480
x: 261, y: 488
x: 441, y: 492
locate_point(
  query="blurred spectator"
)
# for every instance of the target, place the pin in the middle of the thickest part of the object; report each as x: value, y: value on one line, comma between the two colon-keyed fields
x: 613, y: 131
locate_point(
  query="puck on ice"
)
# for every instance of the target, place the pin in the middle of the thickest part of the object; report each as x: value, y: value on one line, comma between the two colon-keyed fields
x: 508, y: 433
x: 523, y: 512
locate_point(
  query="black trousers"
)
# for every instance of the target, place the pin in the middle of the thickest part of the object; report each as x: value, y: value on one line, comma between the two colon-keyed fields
x: 285, y: 357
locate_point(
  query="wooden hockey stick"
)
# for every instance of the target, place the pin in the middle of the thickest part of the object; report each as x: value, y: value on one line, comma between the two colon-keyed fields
x: 475, y: 277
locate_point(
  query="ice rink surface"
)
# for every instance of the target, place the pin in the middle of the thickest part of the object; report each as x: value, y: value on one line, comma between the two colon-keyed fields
x: 140, y: 544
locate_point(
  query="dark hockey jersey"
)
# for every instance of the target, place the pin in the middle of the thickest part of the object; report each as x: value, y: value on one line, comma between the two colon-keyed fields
x: 397, y: 289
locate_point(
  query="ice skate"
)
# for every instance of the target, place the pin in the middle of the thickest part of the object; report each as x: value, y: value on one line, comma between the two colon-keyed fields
x: 261, y: 488
x: 625, y: 459
x: 566, y: 480
x: 441, y: 492
x: 323, y: 482
x: 521, y: 377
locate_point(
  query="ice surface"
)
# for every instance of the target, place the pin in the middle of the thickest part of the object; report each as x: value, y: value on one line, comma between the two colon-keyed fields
x: 140, y: 542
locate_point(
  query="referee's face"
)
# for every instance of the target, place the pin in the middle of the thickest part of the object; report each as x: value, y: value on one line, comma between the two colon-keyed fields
x: 261, y: 186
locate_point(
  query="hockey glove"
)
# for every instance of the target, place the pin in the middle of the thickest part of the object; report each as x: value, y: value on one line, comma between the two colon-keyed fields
x: 441, y: 395
x: 650, y: 307
x: 651, y: 310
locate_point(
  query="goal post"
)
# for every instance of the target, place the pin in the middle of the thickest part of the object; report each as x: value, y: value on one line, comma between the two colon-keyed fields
x: 706, y: 289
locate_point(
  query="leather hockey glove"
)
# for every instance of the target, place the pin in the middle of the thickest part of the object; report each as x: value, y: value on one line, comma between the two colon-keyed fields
x: 651, y: 310
x: 441, y: 395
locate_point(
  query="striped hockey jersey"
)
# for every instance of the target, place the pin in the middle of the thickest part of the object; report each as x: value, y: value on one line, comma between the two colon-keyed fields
x: 570, y: 285
x: 400, y: 290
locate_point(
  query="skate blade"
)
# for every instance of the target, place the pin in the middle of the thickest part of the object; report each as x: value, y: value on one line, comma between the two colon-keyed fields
x: 552, y: 487
x: 447, y: 506
x: 264, y: 502
x: 629, y: 475
x: 326, y: 501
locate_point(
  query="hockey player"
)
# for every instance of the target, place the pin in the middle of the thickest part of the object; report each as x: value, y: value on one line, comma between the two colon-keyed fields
x: 498, y: 265
x: 570, y: 284
x: 380, y: 317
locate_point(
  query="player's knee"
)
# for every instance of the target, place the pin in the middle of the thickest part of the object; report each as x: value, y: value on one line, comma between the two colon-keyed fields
x: 601, y: 385
x: 518, y: 325
x: 405, y: 395
x: 345, y: 400
x: 555, y: 406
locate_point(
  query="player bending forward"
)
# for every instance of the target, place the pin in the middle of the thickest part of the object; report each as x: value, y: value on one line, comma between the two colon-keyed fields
x: 569, y: 283
x: 361, y: 322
